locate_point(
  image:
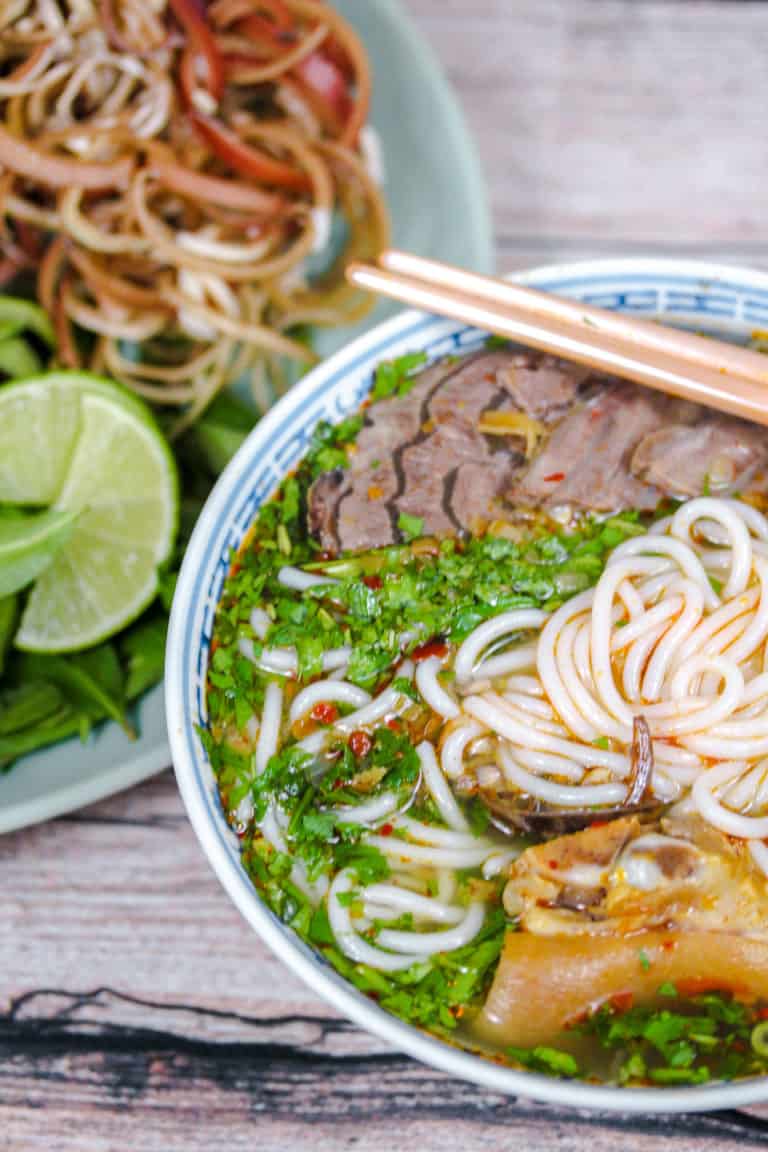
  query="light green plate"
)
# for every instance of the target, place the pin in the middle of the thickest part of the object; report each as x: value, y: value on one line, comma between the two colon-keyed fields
x: 439, y: 207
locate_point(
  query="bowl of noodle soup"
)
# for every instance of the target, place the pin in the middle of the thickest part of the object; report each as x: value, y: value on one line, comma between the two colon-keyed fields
x: 476, y: 741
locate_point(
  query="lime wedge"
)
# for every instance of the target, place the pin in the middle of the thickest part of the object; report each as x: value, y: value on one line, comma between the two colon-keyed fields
x: 28, y: 544
x: 87, y: 447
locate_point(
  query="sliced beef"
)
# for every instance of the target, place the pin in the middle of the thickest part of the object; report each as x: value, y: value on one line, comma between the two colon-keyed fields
x: 429, y: 465
x: 586, y: 461
x: 609, y: 445
x: 357, y: 513
x: 721, y: 452
x: 414, y: 453
x: 542, y: 386
x: 473, y: 492
x: 323, y: 502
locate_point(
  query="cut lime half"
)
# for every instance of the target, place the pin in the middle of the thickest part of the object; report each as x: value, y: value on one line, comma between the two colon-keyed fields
x: 84, y: 445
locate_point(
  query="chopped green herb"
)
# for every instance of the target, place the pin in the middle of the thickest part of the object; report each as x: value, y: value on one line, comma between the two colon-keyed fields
x: 690, y: 1042
x: 410, y: 526
x: 397, y: 377
x: 645, y: 960
x: 542, y: 1059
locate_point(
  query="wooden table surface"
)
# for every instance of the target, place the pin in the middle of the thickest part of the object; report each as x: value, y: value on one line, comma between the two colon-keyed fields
x: 139, y: 1011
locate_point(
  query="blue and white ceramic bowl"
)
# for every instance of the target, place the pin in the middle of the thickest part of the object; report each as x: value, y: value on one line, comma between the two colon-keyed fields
x: 730, y: 302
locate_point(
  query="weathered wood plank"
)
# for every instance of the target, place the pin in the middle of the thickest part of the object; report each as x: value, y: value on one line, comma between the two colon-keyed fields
x: 125, y: 1073
x: 608, y: 125
x: 139, y: 1011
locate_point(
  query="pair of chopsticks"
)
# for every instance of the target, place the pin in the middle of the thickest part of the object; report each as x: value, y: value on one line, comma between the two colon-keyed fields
x: 709, y: 372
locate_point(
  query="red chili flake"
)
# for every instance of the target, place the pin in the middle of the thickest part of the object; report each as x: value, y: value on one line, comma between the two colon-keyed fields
x: 599, y: 823
x: 386, y: 829
x: 762, y: 1013
x: 432, y: 648
x: 373, y: 581
x: 668, y: 945
x: 325, y: 713
x: 554, y: 477
x: 393, y: 724
x: 595, y: 414
x: 360, y: 743
x: 621, y: 1002
x: 553, y: 864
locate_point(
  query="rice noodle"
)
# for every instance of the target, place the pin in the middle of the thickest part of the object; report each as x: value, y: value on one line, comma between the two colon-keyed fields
x: 508, y: 623
x: 653, y: 638
x: 388, y: 704
x: 368, y: 811
x: 432, y: 691
x: 322, y: 691
x: 300, y: 581
x: 269, y: 732
x: 438, y: 788
x: 429, y: 908
x: 420, y: 943
x: 349, y: 941
x: 545, y: 706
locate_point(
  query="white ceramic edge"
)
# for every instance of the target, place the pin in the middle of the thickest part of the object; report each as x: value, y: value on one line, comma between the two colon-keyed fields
x: 343, y: 996
x: 27, y: 813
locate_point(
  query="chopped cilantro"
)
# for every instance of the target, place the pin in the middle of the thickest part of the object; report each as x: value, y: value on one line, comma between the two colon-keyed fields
x: 645, y: 960
x: 410, y: 526
x: 327, y: 449
x: 690, y: 1042
x: 478, y: 816
x: 553, y: 1061
x: 406, y: 686
x: 397, y: 377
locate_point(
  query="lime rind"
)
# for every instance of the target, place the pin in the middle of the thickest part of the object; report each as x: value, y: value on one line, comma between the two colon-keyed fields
x: 100, y: 454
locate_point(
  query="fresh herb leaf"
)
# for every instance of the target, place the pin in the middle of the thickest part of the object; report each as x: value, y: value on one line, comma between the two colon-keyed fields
x: 553, y: 1061
x: 27, y: 705
x: 397, y: 377
x: 92, y: 681
x: 691, y: 1041
x: 9, y: 611
x: 410, y: 526
x: 142, y: 649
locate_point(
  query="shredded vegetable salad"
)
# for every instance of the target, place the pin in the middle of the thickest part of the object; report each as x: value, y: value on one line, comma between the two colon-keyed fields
x: 177, y: 171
